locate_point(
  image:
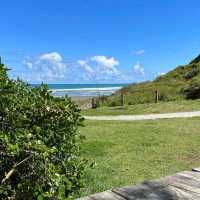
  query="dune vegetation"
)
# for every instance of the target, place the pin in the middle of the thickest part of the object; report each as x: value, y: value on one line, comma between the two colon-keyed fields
x: 39, y: 143
x: 181, y: 83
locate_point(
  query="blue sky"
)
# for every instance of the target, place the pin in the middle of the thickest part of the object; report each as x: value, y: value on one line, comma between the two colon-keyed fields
x: 97, y: 41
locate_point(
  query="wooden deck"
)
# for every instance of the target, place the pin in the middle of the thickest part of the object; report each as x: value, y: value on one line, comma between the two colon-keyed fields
x: 184, y: 185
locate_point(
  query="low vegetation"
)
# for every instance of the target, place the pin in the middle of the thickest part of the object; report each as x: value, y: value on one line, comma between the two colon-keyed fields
x: 126, y: 153
x: 39, y: 143
x: 148, y: 108
x: 178, y: 84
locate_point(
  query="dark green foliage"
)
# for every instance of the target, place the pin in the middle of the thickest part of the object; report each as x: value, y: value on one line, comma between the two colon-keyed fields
x: 196, y: 60
x: 192, y: 91
x: 191, y: 73
x: 95, y: 103
x: 113, y: 104
x: 39, y: 143
x: 162, y: 97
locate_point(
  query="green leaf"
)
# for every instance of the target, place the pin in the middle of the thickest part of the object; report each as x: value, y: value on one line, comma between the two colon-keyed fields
x: 40, y: 197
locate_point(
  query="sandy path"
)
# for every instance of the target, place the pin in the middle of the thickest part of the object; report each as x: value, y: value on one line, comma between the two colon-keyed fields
x: 145, y: 117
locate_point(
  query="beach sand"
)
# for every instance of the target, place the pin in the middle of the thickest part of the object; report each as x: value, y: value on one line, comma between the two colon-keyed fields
x: 82, y: 101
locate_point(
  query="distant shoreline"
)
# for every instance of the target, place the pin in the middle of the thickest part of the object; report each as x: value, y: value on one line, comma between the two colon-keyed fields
x: 84, y: 90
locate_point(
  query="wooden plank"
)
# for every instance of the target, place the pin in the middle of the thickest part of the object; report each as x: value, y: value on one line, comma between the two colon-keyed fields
x: 156, y: 191
x: 181, y: 186
x: 191, y: 174
x: 196, y: 169
x: 148, y: 190
x: 181, y: 181
x: 107, y: 195
x: 183, y: 195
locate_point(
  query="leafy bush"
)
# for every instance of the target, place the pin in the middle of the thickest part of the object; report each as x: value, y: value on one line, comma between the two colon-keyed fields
x: 196, y: 60
x: 192, y: 91
x: 112, y: 104
x: 39, y: 143
x: 162, y: 97
x: 191, y: 73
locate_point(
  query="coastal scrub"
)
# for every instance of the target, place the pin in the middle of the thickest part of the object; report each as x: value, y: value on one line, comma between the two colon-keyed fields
x: 39, y: 143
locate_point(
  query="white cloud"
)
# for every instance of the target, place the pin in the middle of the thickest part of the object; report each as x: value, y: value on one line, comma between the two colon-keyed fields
x: 86, y: 70
x: 139, y: 52
x: 28, y: 64
x: 138, y: 69
x: 45, y: 67
x: 85, y: 65
x: 51, y: 57
x: 82, y: 62
x: 160, y: 74
x: 106, y: 65
x: 99, y: 68
x: 51, y: 67
x: 103, y: 60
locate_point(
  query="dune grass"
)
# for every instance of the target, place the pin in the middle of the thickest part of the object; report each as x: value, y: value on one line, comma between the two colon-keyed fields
x: 170, y: 86
x: 148, y: 108
x: 126, y: 153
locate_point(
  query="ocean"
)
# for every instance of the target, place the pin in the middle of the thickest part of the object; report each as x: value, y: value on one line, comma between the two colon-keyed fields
x: 84, y: 90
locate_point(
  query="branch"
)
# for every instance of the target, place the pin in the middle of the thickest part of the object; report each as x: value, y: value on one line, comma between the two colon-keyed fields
x: 9, y: 174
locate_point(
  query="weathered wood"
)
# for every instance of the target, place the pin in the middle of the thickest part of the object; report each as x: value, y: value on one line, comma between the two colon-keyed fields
x: 182, y: 194
x: 156, y: 96
x: 181, y: 186
x: 107, y: 195
x: 148, y: 190
x: 122, y: 98
x: 196, y: 169
x: 184, y: 182
x: 194, y: 175
x: 94, y: 103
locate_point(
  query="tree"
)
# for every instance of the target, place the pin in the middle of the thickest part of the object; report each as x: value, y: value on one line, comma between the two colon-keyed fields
x: 39, y: 143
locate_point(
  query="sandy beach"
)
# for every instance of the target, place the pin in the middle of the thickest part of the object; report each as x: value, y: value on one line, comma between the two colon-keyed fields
x: 84, y: 102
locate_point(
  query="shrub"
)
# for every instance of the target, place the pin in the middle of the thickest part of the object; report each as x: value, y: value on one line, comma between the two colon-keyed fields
x: 191, y: 73
x: 192, y: 91
x: 196, y: 60
x: 163, y: 97
x: 112, y: 104
x: 39, y: 143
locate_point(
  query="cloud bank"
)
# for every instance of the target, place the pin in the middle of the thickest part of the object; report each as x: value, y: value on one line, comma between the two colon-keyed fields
x: 45, y: 67
x: 51, y: 67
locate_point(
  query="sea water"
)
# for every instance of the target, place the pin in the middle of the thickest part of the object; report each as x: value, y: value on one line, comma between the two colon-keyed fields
x: 84, y: 90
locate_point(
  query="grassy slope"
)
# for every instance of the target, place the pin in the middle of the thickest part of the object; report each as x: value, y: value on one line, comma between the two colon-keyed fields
x: 170, y: 87
x: 127, y: 153
x: 148, y: 108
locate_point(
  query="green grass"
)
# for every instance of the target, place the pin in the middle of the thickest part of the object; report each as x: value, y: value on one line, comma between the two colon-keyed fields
x: 126, y: 153
x: 148, y: 108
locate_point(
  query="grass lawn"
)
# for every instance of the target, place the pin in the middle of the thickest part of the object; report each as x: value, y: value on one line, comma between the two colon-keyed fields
x: 126, y: 153
x: 162, y: 107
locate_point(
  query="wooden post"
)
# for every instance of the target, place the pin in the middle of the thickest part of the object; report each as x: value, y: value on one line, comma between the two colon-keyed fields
x: 122, y: 99
x: 99, y: 100
x: 102, y: 99
x: 93, y: 104
x: 156, y: 96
